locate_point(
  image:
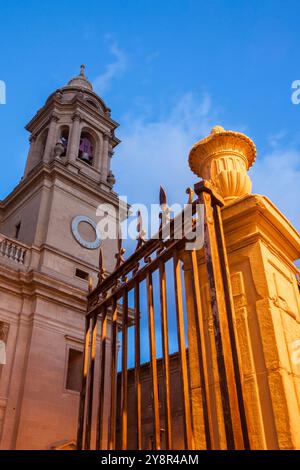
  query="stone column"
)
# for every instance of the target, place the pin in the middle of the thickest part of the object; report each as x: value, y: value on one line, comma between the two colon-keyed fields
x: 262, y: 247
x: 98, y: 157
x: 74, y: 140
x: 104, y: 166
x: 110, y: 155
x: 51, y: 137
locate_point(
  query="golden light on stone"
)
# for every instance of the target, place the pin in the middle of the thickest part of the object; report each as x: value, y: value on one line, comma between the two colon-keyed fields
x: 224, y: 158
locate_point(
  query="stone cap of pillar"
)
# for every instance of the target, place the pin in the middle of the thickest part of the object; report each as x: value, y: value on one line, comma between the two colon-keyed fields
x: 255, y: 217
x: 224, y: 158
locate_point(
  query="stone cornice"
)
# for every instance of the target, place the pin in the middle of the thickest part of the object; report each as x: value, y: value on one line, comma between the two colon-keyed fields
x: 255, y: 219
x: 36, y: 284
x: 68, y: 257
x: 56, y: 169
x: 54, y: 104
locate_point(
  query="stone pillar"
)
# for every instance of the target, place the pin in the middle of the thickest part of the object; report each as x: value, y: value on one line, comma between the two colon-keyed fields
x: 74, y: 140
x: 110, y: 155
x: 98, y: 156
x: 104, y: 166
x: 51, y: 138
x: 262, y: 247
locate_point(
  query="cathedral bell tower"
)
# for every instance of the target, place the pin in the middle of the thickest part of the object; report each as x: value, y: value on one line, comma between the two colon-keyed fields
x: 49, y: 251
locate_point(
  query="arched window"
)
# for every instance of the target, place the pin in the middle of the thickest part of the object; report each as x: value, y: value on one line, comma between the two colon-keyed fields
x: 92, y: 103
x: 40, y: 146
x: 64, y: 139
x: 86, y: 148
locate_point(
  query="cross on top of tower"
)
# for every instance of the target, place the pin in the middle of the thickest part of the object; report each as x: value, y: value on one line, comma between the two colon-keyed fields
x: 82, y: 69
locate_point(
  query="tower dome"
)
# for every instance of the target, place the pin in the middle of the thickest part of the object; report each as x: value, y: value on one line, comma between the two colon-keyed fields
x: 80, y: 80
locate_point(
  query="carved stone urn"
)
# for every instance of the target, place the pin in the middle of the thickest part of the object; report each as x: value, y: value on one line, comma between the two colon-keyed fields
x: 223, y: 158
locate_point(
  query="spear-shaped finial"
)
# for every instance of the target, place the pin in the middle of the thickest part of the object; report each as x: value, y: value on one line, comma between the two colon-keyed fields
x: 141, y: 232
x: 165, y: 211
x: 119, y: 256
x: 82, y: 68
x: 162, y: 198
x: 101, y: 266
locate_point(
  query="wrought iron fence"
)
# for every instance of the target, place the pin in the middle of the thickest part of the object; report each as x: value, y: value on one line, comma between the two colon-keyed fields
x: 109, y: 318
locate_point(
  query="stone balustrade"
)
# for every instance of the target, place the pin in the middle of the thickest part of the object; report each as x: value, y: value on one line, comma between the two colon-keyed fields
x: 12, y: 249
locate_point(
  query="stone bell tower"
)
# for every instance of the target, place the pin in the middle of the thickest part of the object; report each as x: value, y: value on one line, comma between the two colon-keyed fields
x: 75, y: 128
x: 49, y: 249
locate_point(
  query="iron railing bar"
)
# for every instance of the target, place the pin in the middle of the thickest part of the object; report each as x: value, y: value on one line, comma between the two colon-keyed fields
x: 188, y: 434
x: 102, y: 352
x: 229, y: 309
x: 85, y: 364
x: 88, y: 425
x: 137, y: 362
x: 153, y: 364
x: 211, y: 263
x: 202, y: 358
x: 113, y: 389
x: 165, y: 348
x: 124, y: 391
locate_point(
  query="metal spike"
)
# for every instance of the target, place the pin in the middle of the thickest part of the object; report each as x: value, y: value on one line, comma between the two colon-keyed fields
x: 162, y: 197
x: 119, y: 256
x: 101, y: 266
x: 139, y: 224
x: 165, y: 211
x: 141, y: 232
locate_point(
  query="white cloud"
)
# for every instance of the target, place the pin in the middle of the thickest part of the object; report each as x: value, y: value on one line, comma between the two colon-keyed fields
x: 277, y: 175
x: 103, y: 81
x: 155, y: 151
x: 275, y: 139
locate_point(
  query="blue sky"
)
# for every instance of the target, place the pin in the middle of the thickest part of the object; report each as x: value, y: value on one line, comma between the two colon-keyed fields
x: 169, y: 70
